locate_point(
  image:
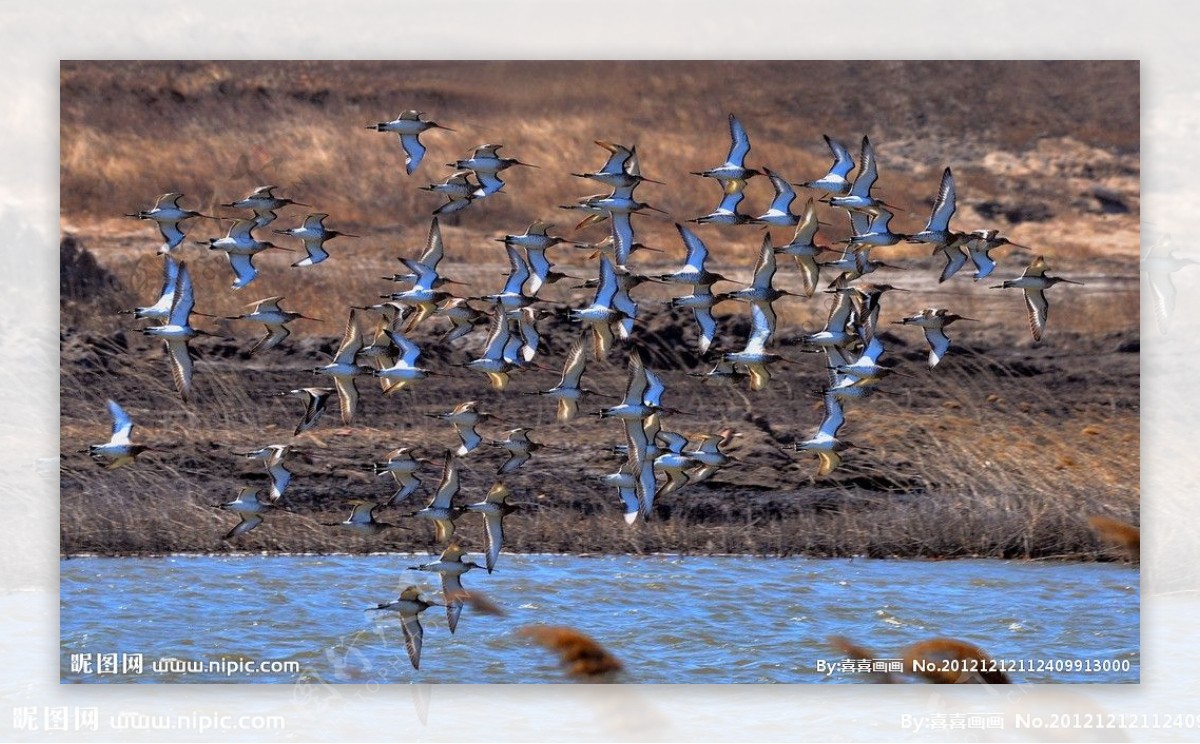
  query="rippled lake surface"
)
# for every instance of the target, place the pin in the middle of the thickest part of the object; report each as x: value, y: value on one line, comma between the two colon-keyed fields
x: 670, y: 619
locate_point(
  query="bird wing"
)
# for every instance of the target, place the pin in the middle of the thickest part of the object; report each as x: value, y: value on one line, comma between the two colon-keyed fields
x: 243, y: 269
x: 622, y: 235
x: 489, y: 183
x: 784, y: 193
x: 762, y: 326
x: 280, y: 478
x: 434, y: 248
x: 740, y: 145
x: 867, y: 172
x: 573, y: 367
x: 315, y: 247
x: 493, y: 525
x: 171, y: 233
x: 314, y: 406
x: 764, y: 267
x: 1039, y: 308
x: 352, y: 341
x: 469, y: 436
x: 413, y: 635
x: 448, y: 486
x: 122, y: 427
x: 984, y: 264
x: 810, y: 272
x: 413, y: 151
x: 830, y: 460
x: 843, y: 163
x: 708, y: 327
x: 655, y: 387
x: 944, y: 205
x: 834, y: 417
x: 955, y: 260
x: 697, y: 252
x: 452, y: 590
x: 806, y: 228
x: 635, y: 387
x: 347, y: 397
x: 184, y: 300
x: 939, y: 343
x: 515, y: 461
x: 249, y: 522
x: 181, y: 366
x: 518, y: 271
x: 275, y: 335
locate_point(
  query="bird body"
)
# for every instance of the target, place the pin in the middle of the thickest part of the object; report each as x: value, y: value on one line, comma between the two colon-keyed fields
x: 273, y: 455
x: 315, y: 399
x: 494, y: 508
x: 441, y: 510
x: 362, y: 519
x: 250, y: 505
x: 119, y: 450
x: 263, y: 202
x: 464, y: 418
x: 268, y: 312
x: 408, y: 125
x: 733, y: 173
x: 409, y: 607
x: 836, y: 181
x: 1034, y: 282
x: 177, y: 331
x: 344, y: 368
x: 402, y: 466
x: 167, y: 214
x: 932, y: 321
x: 314, y: 235
x: 450, y: 566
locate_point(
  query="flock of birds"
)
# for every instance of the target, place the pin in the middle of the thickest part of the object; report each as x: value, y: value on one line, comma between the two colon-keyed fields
x: 657, y: 460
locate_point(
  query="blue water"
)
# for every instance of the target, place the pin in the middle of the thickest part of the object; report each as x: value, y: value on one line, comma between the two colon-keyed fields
x: 670, y: 619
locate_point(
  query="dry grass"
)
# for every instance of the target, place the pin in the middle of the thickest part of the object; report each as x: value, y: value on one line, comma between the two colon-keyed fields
x: 983, y: 458
x: 238, y: 125
x: 1002, y: 452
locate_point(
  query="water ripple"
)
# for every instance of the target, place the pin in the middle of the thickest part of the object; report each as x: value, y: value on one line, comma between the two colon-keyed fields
x: 671, y: 619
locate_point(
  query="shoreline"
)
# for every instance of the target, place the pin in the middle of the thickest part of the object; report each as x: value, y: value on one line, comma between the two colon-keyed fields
x: 1099, y: 556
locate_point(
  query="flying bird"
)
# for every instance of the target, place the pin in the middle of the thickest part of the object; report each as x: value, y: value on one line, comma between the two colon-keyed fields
x: 409, y: 607
x: 1034, y: 282
x: 408, y: 126
x: 119, y: 450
